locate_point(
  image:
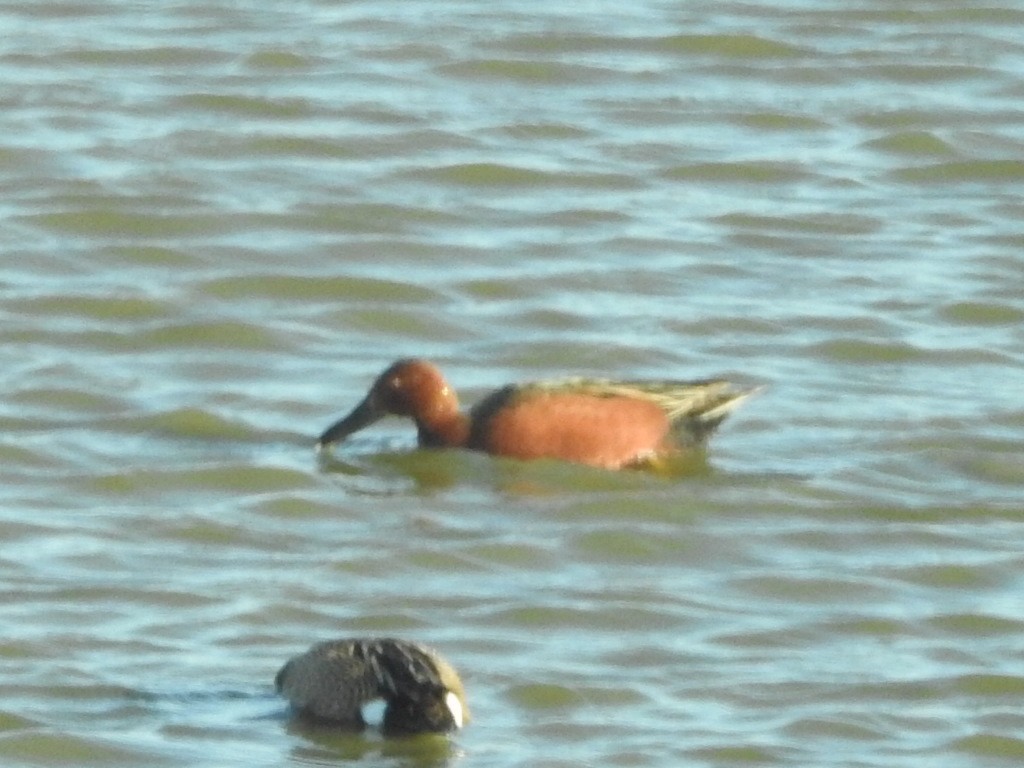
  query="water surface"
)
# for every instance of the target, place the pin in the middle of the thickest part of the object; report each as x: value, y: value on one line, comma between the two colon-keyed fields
x: 221, y: 221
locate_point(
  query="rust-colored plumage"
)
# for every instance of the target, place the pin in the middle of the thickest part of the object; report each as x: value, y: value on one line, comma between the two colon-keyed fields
x: 609, y: 424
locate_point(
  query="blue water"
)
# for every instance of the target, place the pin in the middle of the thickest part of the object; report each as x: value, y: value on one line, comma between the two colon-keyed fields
x: 221, y: 221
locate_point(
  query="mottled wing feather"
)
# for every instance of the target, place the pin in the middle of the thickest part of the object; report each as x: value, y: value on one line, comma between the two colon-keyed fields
x: 706, y: 399
x: 331, y: 681
x: 403, y: 669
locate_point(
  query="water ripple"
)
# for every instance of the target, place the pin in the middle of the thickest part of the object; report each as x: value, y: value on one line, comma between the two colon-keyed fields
x: 223, y: 222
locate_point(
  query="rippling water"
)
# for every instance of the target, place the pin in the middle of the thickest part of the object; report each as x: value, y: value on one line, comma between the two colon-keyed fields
x: 221, y: 220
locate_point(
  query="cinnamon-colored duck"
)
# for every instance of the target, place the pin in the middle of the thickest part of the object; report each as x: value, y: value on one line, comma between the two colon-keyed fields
x: 608, y: 424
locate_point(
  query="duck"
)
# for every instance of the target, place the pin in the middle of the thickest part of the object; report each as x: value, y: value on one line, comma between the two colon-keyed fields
x: 331, y: 682
x: 604, y: 423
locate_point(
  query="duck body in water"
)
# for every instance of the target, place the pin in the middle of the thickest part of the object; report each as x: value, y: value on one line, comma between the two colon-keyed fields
x: 332, y: 682
x: 599, y: 422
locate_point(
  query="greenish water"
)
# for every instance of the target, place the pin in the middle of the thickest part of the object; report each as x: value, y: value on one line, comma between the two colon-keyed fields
x: 221, y: 221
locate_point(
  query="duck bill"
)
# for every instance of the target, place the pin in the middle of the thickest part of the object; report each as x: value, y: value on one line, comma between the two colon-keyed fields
x: 363, y: 415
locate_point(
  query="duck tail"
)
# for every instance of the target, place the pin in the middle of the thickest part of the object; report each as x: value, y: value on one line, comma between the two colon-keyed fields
x: 694, y: 426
